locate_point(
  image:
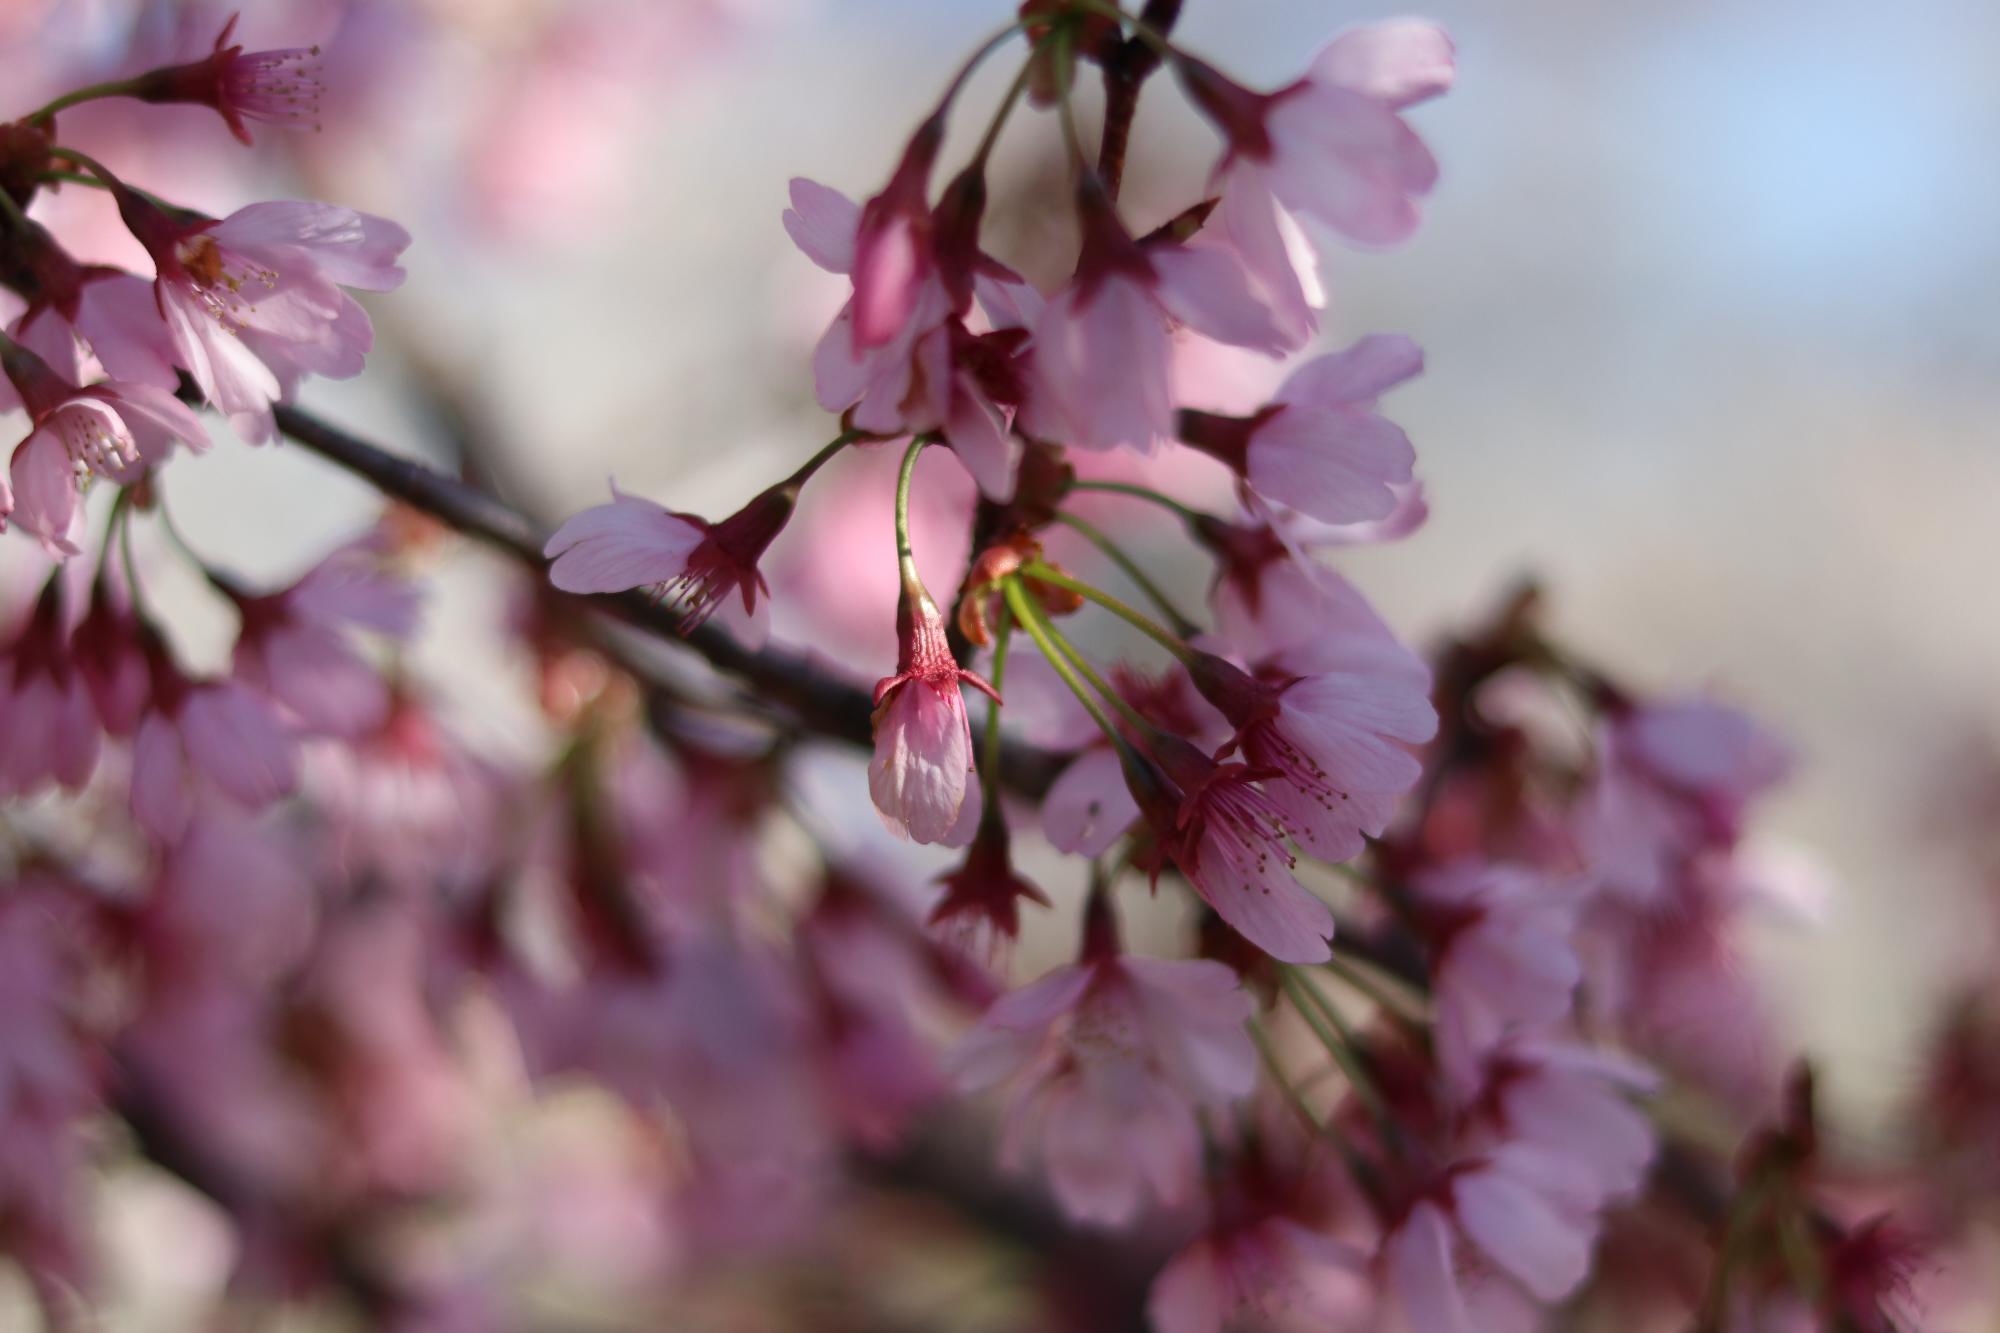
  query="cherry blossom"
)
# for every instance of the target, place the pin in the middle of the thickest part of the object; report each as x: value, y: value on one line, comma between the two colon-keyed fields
x: 255, y: 302
x: 920, y: 775
x: 277, y: 87
x: 113, y: 430
x: 1112, y: 1057
x: 705, y: 569
x: 45, y: 705
x: 1320, y: 447
x: 1220, y: 825
x: 294, y: 644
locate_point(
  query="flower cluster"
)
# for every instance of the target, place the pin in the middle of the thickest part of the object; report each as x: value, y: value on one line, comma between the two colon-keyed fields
x: 1397, y: 1001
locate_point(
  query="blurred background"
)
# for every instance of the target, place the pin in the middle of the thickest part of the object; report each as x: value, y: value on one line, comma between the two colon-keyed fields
x: 1706, y: 291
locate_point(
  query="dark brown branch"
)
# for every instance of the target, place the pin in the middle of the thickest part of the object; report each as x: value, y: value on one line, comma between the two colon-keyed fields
x: 826, y: 705
x: 1125, y: 72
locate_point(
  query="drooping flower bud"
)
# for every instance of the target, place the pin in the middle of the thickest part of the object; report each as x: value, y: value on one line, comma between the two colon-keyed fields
x: 921, y: 774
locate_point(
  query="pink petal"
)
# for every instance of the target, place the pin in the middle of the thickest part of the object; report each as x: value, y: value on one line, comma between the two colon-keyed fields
x: 1350, y: 162
x: 1401, y: 61
x: 120, y: 318
x: 1102, y: 360
x: 977, y: 432
x: 1195, y: 1011
x: 1208, y: 289
x: 887, y: 269
x: 1007, y: 1037
x: 1338, y: 467
x: 1104, y: 1153
x: 1422, y: 1275
x: 822, y: 222
x: 228, y: 373
x: 321, y: 681
x: 162, y: 783
x: 1355, y: 376
x: 1280, y: 263
x: 1089, y: 807
x: 1263, y: 903
x: 351, y: 248
x: 45, y: 501
x: 234, y: 739
x: 629, y: 543
x: 347, y: 588
x: 1523, y: 1233
x: 1188, y: 1295
x: 922, y: 754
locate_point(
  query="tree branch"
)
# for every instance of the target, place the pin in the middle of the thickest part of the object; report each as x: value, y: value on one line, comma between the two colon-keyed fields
x: 1124, y: 73
x: 826, y: 705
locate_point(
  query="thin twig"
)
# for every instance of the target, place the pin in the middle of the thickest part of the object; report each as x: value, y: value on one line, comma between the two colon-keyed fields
x: 823, y: 703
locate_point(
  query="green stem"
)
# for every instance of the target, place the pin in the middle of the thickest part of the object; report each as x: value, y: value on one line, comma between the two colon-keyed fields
x: 125, y: 552
x: 1182, y: 626
x: 1020, y: 603
x: 73, y: 178
x: 1333, y: 1033
x: 1369, y: 990
x: 990, y: 756
x: 1000, y: 115
x: 1137, y: 619
x: 84, y: 160
x: 1139, y: 493
x: 826, y: 452
x: 1358, y: 1166
x: 906, y: 559
x: 107, y: 179
x: 1064, y: 41
x: 974, y: 61
x: 15, y: 213
x: 1090, y: 673
x: 121, y: 88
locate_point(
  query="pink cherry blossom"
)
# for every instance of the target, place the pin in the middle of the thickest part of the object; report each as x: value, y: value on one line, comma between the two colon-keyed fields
x: 1090, y: 805
x: 76, y: 310
x: 1335, y: 739
x: 1505, y: 962
x: 201, y: 736
x: 1112, y: 1057
x: 409, y: 803
x: 1574, y: 1101
x: 1220, y: 825
x: 1332, y: 146
x: 107, y: 649
x: 278, y: 87
x: 916, y: 367
x: 875, y: 977
x: 703, y: 568
x: 254, y: 302
x: 1102, y: 360
x: 112, y: 430
x: 53, y: 1071
x: 45, y: 707
x: 294, y: 644
x: 1320, y: 447
x: 1672, y: 779
x: 923, y: 737
x: 1294, y: 616
x: 1274, y: 1273
x: 1439, y: 1285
